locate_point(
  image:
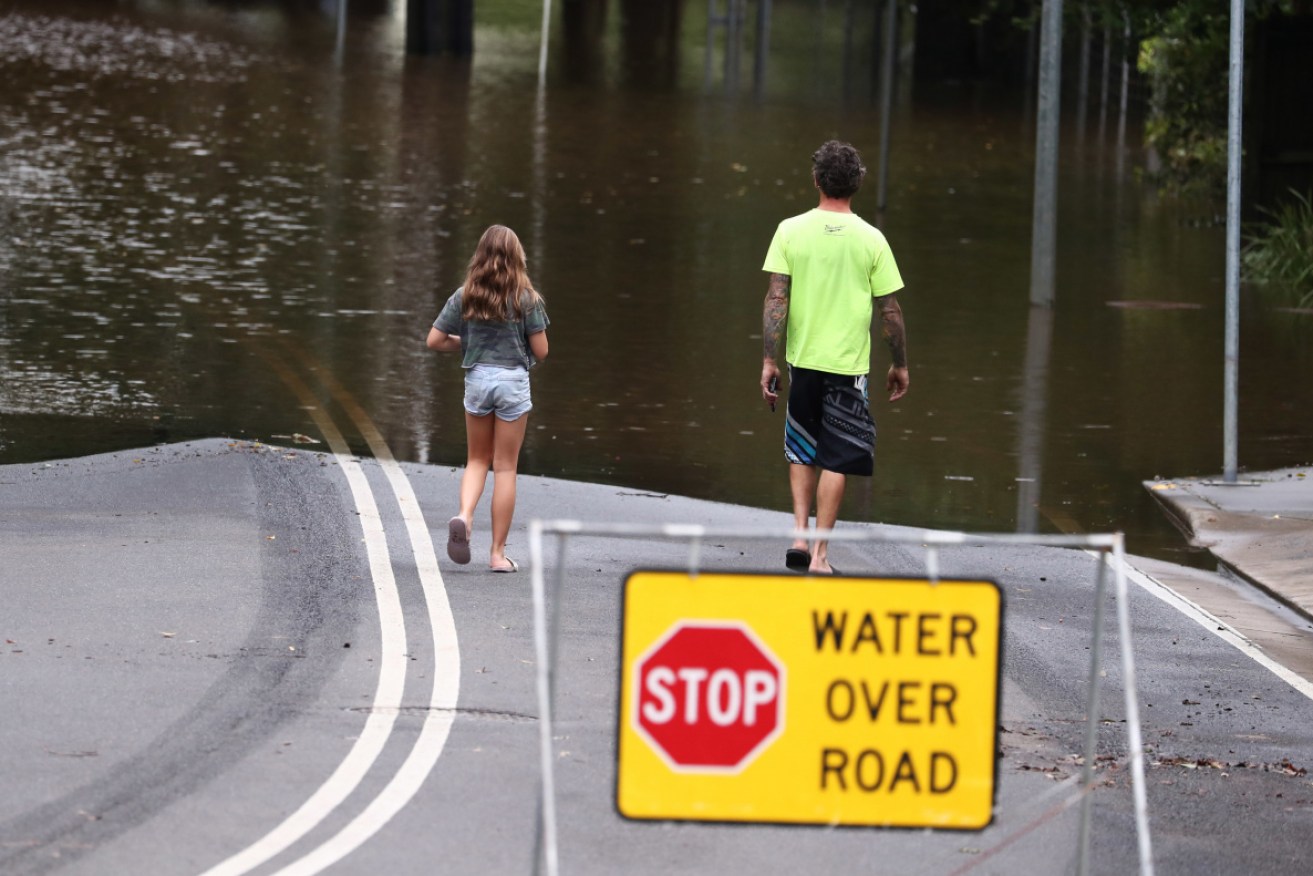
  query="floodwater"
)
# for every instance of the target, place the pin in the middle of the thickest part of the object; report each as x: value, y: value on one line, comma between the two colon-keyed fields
x: 193, y: 192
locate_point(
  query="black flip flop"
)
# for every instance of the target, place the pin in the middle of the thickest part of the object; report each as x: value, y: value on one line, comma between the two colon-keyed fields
x: 797, y: 559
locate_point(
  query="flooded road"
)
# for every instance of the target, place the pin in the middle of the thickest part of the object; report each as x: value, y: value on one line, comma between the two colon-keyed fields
x: 185, y: 189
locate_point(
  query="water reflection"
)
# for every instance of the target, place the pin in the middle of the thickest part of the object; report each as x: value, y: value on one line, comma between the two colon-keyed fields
x: 1032, y: 424
x: 184, y: 186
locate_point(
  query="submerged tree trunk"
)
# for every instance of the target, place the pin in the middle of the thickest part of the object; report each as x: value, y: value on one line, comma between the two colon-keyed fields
x: 435, y: 27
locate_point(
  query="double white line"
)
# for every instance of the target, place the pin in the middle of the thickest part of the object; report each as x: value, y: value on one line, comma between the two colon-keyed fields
x: 392, y: 671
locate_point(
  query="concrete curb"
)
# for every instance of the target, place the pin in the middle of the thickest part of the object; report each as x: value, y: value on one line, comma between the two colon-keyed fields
x: 1260, y: 529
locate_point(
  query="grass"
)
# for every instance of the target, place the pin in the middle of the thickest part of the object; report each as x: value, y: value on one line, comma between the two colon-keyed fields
x: 1279, y: 252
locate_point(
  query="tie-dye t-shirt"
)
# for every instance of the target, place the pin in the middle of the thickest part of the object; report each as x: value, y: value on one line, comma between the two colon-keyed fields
x: 502, y: 344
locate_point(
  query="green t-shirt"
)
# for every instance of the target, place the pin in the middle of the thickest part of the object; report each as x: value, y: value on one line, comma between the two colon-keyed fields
x: 839, y: 264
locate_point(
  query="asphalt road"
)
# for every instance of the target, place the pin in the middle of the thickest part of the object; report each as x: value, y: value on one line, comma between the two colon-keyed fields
x: 203, y: 644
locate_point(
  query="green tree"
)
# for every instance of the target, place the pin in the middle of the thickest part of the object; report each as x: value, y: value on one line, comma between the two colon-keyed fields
x: 1185, y: 60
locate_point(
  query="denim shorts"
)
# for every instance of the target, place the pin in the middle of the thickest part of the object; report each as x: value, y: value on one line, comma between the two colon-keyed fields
x: 500, y: 391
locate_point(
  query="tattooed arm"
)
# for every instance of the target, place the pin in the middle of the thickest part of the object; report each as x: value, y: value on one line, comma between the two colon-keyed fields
x: 775, y: 316
x: 895, y: 334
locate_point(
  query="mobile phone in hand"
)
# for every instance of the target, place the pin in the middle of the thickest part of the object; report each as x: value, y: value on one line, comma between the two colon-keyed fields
x: 773, y: 387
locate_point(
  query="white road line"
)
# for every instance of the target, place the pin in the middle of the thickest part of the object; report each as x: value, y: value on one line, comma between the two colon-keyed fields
x: 446, y: 670
x: 392, y: 663
x: 1219, y: 628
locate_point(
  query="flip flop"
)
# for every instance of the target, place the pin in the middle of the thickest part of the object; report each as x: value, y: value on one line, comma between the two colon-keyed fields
x: 458, y: 540
x: 797, y: 559
x: 513, y: 567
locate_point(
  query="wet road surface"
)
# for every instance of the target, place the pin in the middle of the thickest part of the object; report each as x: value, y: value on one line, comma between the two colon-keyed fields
x: 200, y: 639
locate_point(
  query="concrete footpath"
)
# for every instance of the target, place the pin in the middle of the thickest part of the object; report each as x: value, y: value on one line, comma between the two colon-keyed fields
x: 195, y: 637
x: 1260, y: 527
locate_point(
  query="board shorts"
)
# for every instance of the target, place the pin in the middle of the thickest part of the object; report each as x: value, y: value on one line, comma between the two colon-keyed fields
x: 828, y: 422
x: 501, y: 391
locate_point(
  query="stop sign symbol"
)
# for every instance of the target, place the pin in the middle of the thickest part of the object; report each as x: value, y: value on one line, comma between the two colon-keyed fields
x: 709, y: 696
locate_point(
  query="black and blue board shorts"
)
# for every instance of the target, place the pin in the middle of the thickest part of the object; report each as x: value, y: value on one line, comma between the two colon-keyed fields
x: 828, y: 422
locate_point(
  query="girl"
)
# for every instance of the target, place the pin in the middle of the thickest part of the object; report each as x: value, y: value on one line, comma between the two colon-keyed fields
x: 498, y: 321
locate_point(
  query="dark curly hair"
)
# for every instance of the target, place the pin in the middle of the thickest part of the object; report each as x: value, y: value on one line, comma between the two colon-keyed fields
x: 838, y: 168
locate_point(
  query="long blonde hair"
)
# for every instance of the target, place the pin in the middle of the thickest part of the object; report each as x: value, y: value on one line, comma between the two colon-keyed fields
x: 497, y: 281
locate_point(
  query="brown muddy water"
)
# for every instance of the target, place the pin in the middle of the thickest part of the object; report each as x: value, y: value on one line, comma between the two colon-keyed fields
x: 191, y: 190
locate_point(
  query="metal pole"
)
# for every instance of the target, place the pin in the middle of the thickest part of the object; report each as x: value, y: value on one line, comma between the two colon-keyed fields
x: 340, y: 48
x: 1083, y: 87
x: 713, y: 21
x: 846, y: 64
x: 1030, y: 428
x: 542, y: 47
x: 1107, y: 66
x: 538, y: 205
x: 1235, y: 103
x: 887, y: 99
x: 733, y: 34
x: 1032, y: 66
x: 547, y: 802
x: 554, y: 617
x: 1092, y: 717
x: 1044, y: 232
x: 1121, y: 107
x: 763, y: 47
x: 1133, y: 739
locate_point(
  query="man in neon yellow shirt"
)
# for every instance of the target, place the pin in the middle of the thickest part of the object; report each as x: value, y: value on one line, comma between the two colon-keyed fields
x: 829, y: 270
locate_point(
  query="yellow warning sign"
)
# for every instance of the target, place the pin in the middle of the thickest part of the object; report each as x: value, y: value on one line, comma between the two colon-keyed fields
x: 851, y: 701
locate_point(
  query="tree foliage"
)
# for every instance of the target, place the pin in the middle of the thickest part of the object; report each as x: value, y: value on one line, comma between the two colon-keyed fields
x: 1185, y: 55
x: 1186, y: 62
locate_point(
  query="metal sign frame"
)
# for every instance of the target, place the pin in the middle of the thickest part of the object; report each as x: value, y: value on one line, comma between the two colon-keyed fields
x: 1112, y: 553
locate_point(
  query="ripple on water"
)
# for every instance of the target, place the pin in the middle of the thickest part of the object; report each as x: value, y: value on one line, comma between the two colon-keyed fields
x: 118, y: 48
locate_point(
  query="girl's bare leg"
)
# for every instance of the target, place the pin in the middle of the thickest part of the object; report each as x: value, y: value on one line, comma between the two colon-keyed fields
x: 479, y: 437
x: 507, y: 440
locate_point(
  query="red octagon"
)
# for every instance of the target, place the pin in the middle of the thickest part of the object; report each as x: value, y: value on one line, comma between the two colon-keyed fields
x: 708, y: 696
